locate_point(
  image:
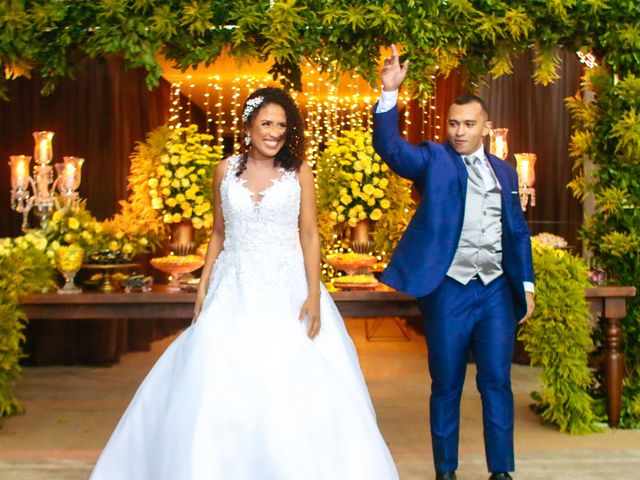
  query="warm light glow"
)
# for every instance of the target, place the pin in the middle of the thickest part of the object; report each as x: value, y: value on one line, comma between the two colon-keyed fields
x: 525, y: 165
x: 19, y: 171
x: 43, y: 151
x: 498, y: 145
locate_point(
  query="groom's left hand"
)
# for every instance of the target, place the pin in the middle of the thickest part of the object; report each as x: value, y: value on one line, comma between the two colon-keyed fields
x: 531, y: 304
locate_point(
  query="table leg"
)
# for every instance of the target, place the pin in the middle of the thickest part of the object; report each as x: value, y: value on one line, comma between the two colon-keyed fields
x: 613, y: 369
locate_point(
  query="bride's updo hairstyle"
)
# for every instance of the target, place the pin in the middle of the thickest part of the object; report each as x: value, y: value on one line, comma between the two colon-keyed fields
x: 292, y: 153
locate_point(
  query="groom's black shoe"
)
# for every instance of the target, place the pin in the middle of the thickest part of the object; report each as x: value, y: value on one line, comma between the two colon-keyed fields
x: 445, y: 475
x: 500, y: 476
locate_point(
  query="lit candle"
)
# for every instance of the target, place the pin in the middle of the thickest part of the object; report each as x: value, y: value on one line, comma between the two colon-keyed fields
x: 69, y: 175
x: 44, y: 148
x: 525, y: 166
x: 19, y: 171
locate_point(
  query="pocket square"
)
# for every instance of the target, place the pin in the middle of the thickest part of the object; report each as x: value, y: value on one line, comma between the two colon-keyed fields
x: 514, y: 193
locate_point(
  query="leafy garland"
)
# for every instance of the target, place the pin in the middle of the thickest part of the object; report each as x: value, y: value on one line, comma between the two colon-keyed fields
x: 558, y: 338
x: 51, y: 36
x: 607, y: 131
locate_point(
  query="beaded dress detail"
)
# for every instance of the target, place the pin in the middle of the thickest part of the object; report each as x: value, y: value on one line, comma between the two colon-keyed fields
x: 243, y: 393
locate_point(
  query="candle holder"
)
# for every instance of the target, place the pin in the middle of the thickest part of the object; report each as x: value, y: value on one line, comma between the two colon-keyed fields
x: 525, y: 166
x: 498, y: 144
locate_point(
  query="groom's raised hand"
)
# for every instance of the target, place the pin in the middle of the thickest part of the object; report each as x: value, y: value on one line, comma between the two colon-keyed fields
x: 393, y: 74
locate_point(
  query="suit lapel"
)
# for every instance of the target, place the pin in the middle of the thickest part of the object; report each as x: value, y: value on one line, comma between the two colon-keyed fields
x: 460, y: 169
x: 504, y: 183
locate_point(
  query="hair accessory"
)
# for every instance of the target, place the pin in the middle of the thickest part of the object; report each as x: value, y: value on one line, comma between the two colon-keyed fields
x: 251, y: 105
x: 247, y: 139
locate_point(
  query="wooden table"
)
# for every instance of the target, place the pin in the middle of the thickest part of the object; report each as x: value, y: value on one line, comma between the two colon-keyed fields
x: 163, y: 302
x: 608, y: 303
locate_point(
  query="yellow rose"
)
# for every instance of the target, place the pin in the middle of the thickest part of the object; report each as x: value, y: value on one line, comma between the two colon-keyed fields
x: 355, y: 191
x: 384, y: 182
x: 166, y: 191
x: 362, y: 215
x: 167, y: 217
x: 176, y: 217
x: 384, y: 203
x: 197, y: 222
x: 376, y: 215
x: 341, y: 218
x: 368, y: 189
x: 127, y: 248
x: 74, y: 224
x: 193, y: 177
x: 119, y: 235
x: 113, y: 245
x: 340, y: 208
x: 371, y: 202
x: 171, y: 202
x: 187, y: 213
x: 366, y: 162
x: 175, y: 183
x: 357, y: 166
x: 165, y: 182
x: 367, y: 171
x: 180, y: 198
x: 358, y: 176
x: 57, y: 215
x: 375, y: 167
x: 199, y: 199
x: 153, y: 183
x: 175, y: 161
x: 346, y: 199
x: 153, y: 193
x: 185, y: 182
x: 378, y: 193
x: 353, y: 213
x: 352, y: 222
x: 333, y: 215
x: 384, y: 167
x: 143, y: 241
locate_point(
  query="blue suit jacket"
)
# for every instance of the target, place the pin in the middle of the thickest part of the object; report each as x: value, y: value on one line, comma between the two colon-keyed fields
x: 426, y: 250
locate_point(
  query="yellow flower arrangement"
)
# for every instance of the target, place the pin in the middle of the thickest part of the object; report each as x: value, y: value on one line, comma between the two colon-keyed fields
x: 180, y: 186
x: 350, y: 167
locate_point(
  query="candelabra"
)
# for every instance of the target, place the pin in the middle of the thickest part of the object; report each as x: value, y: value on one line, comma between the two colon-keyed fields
x: 525, y: 165
x: 39, y: 190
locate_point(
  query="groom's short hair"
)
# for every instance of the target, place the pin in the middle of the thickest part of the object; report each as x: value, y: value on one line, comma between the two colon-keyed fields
x: 470, y: 98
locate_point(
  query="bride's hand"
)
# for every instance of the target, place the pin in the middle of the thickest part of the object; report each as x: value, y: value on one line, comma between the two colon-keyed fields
x: 311, y: 308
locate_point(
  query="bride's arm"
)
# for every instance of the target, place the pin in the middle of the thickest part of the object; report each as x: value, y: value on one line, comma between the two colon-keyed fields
x: 217, y: 238
x: 310, y: 241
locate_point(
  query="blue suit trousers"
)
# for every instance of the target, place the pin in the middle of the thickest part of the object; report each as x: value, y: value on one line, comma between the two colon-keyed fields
x: 480, y: 318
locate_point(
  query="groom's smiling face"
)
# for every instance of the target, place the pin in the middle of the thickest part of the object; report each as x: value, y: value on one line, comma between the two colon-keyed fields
x: 467, y: 125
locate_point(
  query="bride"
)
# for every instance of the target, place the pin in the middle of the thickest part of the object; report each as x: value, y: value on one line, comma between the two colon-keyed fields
x: 265, y: 384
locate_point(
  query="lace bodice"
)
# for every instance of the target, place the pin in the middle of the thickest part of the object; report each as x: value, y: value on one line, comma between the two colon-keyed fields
x: 261, y: 249
x: 267, y: 225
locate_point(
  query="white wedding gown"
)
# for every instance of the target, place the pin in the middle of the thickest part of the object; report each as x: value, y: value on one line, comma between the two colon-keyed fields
x: 244, y: 394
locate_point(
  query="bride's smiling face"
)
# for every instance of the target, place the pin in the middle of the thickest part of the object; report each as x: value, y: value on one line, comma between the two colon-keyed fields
x: 268, y: 132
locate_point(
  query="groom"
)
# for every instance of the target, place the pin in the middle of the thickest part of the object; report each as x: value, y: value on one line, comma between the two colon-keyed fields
x: 466, y: 256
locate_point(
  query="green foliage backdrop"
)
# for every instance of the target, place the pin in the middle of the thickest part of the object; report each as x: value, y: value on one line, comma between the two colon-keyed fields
x: 607, y: 131
x: 52, y: 37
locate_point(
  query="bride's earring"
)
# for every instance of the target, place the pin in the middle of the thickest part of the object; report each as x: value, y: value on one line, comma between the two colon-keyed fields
x: 247, y: 139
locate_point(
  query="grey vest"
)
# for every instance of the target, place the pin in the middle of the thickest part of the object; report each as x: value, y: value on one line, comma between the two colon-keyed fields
x: 479, y: 250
